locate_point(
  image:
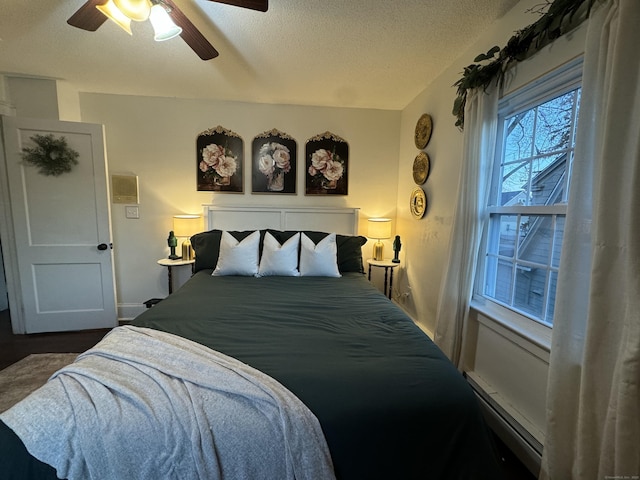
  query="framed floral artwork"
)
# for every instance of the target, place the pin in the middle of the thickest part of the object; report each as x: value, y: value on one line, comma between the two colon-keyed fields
x: 274, y: 160
x: 219, y: 160
x: 327, y: 164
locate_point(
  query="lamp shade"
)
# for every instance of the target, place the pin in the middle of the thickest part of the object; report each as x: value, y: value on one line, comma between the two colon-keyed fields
x: 186, y: 225
x: 379, y: 228
x: 137, y: 10
x: 163, y: 26
x: 111, y: 11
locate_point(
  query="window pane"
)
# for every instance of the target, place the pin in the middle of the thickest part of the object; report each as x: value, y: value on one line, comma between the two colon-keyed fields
x: 508, y: 235
x: 553, y: 282
x: 529, y: 289
x: 547, y: 182
x: 567, y: 183
x: 502, y: 290
x: 553, y: 124
x: 535, y: 239
x: 518, y: 136
x: 514, y: 184
x: 557, y: 241
x: 490, y: 269
x: 537, y: 143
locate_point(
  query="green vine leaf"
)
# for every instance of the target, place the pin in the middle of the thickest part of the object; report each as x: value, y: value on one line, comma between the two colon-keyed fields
x: 52, y: 156
x: 559, y: 19
x: 486, y: 56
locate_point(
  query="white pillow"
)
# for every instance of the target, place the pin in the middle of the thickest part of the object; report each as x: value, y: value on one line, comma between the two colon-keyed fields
x: 279, y: 259
x: 238, y: 258
x: 319, y: 260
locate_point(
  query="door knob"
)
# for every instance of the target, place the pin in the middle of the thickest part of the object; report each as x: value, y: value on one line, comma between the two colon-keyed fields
x: 103, y: 246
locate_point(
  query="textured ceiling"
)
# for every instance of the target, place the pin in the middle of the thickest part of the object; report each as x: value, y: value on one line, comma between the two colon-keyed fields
x: 354, y: 53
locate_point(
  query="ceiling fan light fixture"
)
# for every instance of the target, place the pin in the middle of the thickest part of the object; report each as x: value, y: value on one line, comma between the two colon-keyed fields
x: 114, y: 13
x: 137, y: 10
x: 93, y: 13
x: 163, y: 26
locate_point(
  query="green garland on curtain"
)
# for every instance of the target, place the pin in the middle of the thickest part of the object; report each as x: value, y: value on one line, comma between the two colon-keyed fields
x: 51, y: 155
x: 561, y: 17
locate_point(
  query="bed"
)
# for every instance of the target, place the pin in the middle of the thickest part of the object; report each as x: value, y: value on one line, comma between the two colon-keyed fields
x: 388, y: 402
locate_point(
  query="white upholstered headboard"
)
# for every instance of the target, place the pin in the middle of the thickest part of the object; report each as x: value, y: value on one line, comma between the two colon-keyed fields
x: 322, y: 219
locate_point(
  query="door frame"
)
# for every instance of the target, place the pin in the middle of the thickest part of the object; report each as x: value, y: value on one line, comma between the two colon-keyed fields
x: 9, y: 249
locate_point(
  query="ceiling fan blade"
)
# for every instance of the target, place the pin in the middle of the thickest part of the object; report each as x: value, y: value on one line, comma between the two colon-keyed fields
x: 260, y: 5
x: 88, y: 17
x: 190, y: 34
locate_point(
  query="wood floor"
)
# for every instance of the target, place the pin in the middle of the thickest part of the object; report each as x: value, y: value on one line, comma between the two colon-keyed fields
x: 16, y: 347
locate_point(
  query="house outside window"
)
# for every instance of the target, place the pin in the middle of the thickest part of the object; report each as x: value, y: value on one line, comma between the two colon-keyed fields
x: 529, y: 195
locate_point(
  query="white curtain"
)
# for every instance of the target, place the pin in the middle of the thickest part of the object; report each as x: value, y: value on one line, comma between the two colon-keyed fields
x: 480, y: 126
x: 593, y: 404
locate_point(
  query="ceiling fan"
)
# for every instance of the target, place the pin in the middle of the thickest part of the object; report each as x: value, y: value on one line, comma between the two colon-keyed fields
x: 167, y: 19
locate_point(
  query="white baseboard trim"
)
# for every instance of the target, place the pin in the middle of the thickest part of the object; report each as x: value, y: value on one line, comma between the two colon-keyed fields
x: 509, y: 430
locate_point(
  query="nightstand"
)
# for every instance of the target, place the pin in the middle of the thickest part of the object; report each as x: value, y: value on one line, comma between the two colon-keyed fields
x: 388, y: 266
x: 167, y: 262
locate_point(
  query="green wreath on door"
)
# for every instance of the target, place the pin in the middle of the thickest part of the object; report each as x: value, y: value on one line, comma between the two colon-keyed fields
x: 52, y: 156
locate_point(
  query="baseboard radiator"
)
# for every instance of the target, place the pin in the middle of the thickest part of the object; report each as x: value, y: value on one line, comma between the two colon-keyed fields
x: 513, y: 434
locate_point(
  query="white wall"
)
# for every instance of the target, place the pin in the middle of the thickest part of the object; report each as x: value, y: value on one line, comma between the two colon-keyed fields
x: 34, y: 97
x: 154, y: 138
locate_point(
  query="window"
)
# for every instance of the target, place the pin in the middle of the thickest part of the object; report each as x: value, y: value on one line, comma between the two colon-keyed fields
x: 528, y: 195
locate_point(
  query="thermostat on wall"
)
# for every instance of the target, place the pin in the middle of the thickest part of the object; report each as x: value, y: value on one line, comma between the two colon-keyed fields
x: 124, y: 189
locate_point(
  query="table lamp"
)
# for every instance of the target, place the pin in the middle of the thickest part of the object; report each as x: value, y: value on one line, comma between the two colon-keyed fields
x: 185, y: 226
x: 379, y: 228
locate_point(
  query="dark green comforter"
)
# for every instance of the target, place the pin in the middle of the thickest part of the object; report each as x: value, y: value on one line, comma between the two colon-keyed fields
x: 391, y: 405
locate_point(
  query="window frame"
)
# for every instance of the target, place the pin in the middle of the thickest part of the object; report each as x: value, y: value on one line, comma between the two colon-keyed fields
x: 557, y: 82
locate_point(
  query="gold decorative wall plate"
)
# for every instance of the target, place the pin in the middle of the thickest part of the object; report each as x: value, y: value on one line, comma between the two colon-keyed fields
x: 421, y: 167
x: 423, y: 131
x: 418, y: 203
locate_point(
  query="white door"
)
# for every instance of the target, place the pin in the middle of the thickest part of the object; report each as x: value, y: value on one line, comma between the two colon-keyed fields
x: 62, y: 230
